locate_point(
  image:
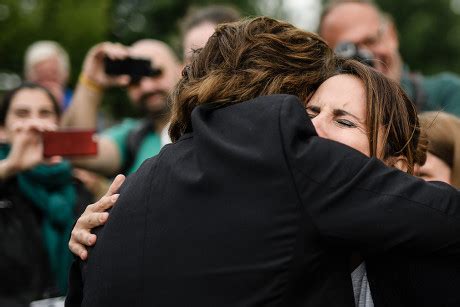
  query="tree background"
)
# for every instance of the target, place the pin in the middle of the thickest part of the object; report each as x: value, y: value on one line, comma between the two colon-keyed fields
x: 429, y: 30
x: 429, y: 33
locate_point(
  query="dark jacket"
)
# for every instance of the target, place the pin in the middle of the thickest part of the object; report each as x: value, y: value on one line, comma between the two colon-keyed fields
x: 401, y: 281
x: 24, y: 266
x: 25, y: 272
x: 253, y: 209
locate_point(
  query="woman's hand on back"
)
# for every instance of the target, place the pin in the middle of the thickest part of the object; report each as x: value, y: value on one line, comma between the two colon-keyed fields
x: 94, y: 215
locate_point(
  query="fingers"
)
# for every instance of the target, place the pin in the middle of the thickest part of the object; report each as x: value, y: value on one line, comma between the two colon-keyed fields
x: 94, y: 68
x: 37, y: 125
x: 116, y: 184
x: 122, y: 80
x: 115, y: 51
x: 95, y: 214
x: 105, y: 203
x: 53, y: 160
x: 81, y: 235
x: 78, y: 242
x: 78, y: 249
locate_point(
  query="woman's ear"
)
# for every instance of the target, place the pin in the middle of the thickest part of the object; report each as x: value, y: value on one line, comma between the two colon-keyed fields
x: 399, y: 162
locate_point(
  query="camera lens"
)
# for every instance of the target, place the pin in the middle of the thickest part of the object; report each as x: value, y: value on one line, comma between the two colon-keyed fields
x: 349, y: 50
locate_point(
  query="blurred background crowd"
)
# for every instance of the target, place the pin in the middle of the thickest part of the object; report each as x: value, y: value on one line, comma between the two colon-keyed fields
x: 59, y: 48
x: 428, y: 30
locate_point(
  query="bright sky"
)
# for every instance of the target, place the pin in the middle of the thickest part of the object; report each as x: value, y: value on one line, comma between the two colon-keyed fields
x: 302, y: 13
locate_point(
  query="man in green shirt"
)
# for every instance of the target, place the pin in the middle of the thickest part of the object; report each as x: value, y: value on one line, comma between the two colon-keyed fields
x: 124, y: 147
x: 362, y: 23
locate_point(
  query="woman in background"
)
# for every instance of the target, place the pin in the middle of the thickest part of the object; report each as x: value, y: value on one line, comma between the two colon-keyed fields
x: 443, y: 158
x: 37, y: 201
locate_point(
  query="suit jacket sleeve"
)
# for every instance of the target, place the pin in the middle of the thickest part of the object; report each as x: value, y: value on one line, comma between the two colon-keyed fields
x: 358, y: 202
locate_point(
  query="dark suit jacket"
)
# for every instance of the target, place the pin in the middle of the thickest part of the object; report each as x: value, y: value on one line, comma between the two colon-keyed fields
x: 253, y: 209
x: 399, y: 281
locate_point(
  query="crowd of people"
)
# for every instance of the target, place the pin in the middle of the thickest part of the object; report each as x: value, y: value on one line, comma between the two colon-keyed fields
x: 267, y: 170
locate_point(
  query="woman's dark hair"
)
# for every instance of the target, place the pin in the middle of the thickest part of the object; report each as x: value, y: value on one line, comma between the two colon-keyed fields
x: 247, y: 59
x: 391, y: 117
x: 8, y: 97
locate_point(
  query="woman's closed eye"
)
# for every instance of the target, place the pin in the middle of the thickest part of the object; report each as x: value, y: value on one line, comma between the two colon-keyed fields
x: 345, y: 123
x: 312, y: 111
x: 345, y: 119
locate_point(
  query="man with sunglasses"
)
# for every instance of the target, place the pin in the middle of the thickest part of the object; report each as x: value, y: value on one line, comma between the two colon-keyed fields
x: 362, y: 23
x: 124, y: 147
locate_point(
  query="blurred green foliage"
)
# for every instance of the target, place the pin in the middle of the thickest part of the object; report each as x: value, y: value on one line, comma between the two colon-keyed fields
x: 429, y: 33
x: 76, y: 25
x: 136, y: 19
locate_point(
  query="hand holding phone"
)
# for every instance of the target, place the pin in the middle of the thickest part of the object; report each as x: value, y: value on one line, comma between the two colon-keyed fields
x: 26, y: 146
x: 94, y: 68
x: 134, y: 67
x: 69, y: 143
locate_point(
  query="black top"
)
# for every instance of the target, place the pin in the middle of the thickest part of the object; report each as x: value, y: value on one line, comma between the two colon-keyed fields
x: 253, y: 209
x: 399, y: 281
x: 24, y: 268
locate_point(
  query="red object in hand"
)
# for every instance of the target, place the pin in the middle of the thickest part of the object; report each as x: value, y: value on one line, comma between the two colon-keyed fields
x: 69, y: 143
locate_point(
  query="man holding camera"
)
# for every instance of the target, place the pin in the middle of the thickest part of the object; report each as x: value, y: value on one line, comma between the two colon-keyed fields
x: 361, y: 23
x: 124, y: 147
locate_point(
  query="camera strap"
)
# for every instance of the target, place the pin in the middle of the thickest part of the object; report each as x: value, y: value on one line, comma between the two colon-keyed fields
x: 133, y: 143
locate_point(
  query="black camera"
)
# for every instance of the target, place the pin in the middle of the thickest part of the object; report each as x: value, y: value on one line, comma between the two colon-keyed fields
x: 351, y: 51
x: 135, y: 68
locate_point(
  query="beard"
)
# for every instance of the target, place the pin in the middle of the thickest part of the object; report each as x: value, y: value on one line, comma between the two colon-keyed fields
x: 158, y: 110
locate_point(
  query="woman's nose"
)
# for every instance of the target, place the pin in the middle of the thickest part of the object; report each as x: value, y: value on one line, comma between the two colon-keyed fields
x: 318, y: 122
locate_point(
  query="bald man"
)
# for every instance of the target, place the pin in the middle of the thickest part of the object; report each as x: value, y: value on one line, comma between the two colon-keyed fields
x: 124, y: 147
x: 199, y: 24
x: 362, y: 23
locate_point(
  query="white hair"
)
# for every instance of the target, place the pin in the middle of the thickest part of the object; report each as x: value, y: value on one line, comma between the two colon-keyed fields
x: 43, y: 50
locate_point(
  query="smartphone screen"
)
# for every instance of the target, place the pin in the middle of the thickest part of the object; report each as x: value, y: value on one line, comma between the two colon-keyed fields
x: 69, y: 143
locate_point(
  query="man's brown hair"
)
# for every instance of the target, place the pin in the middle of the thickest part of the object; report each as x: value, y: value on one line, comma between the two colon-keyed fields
x: 247, y: 59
